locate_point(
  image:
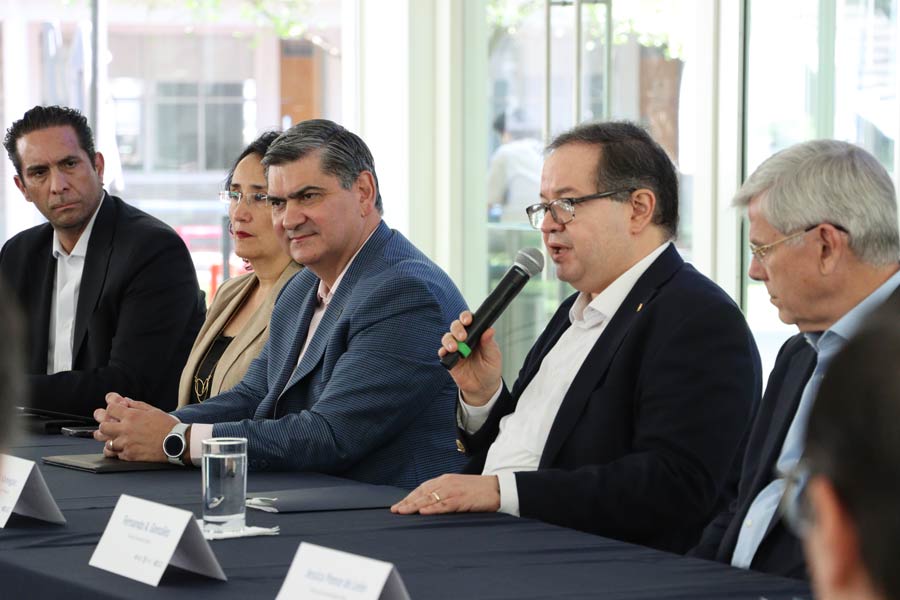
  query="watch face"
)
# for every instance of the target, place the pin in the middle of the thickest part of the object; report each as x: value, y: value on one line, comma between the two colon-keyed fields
x: 173, y: 445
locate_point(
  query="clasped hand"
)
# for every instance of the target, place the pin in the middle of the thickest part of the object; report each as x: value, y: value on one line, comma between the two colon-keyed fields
x: 132, y: 430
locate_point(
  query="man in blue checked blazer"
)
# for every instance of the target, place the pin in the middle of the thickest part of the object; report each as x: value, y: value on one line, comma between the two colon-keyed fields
x: 349, y: 382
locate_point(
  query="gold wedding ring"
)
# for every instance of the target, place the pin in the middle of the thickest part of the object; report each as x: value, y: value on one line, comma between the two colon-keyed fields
x: 109, y: 446
x: 435, y: 496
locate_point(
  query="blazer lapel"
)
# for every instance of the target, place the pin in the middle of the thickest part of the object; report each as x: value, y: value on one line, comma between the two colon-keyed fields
x: 798, y: 373
x: 251, y: 329
x: 305, y: 311
x: 601, y: 355
x: 317, y: 345
x: 96, y: 265
x: 339, y: 301
x: 41, y: 315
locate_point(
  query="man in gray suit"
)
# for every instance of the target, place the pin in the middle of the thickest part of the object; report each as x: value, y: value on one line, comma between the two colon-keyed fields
x: 348, y: 382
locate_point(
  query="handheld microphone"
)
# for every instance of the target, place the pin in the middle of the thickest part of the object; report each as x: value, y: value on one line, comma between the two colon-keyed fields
x: 529, y: 262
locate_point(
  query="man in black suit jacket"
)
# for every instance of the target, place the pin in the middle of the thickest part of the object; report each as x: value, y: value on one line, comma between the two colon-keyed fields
x: 823, y: 233
x: 110, y: 293
x: 628, y: 415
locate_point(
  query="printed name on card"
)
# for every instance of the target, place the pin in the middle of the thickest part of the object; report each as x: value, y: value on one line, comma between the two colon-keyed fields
x: 142, y: 538
x: 319, y: 572
x: 23, y: 491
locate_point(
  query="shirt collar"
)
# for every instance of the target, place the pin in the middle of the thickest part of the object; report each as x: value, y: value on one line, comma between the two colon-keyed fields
x: 847, y: 326
x: 324, y: 294
x: 81, y: 245
x: 587, y: 313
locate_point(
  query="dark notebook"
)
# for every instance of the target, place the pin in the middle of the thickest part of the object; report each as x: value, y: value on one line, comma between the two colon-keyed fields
x: 97, y: 463
x: 44, y: 421
x: 347, y: 497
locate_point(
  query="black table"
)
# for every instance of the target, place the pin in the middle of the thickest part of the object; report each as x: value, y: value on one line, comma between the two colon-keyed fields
x: 447, y: 556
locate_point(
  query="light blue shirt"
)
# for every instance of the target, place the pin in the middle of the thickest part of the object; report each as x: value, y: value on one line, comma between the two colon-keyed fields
x: 826, y: 345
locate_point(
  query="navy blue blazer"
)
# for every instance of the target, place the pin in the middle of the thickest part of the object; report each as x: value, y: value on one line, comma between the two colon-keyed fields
x: 646, y: 444
x: 138, y: 312
x: 781, y: 552
x: 370, y: 399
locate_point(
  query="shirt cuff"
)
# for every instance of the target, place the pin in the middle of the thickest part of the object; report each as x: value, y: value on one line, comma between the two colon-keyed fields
x: 471, y: 418
x: 509, y: 493
x: 199, y: 432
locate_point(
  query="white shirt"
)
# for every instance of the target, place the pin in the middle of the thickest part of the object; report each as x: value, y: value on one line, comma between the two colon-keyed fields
x: 64, y: 302
x: 202, y: 431
x: 523, y: 433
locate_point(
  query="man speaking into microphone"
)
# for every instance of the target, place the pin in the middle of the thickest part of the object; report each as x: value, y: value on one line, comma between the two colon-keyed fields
x: 629, y: 415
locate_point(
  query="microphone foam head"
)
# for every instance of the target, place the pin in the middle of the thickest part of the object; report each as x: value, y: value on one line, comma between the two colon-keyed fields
x: 531, y: 260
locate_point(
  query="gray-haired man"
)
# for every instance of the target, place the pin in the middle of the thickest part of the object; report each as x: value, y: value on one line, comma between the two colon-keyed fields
x: 824, y: 238
x: 348, y: 382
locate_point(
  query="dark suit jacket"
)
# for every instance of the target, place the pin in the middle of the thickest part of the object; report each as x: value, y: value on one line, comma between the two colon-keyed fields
x: 137, y: 315
x: 644, y: 445
x: 369, y: 400
x: 781, y: 552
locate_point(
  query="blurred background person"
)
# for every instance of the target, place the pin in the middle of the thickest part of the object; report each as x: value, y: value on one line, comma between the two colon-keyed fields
x: 846, y: 509
x: 514, y: 175
x: 237, y: 322
x: 12, y: 367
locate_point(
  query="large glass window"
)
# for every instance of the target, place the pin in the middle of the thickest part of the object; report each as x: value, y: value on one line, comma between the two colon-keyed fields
x: 839, y: 80
x: 634, y: 60
x: 183, y: 88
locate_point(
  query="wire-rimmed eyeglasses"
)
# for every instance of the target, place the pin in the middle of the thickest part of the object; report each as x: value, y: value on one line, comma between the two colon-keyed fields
x: 233, y: 197
x: 759, y: 252
x: 563, y: 209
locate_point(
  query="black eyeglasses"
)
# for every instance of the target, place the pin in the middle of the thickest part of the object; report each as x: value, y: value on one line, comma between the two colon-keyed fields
x: 563, y: 209
x: 759, y: 252
x: 232, y: 197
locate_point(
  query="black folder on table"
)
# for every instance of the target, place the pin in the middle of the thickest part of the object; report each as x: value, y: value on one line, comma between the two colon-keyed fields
x: 45, y: 421
x: 97, y: 463
x: 346, y: 497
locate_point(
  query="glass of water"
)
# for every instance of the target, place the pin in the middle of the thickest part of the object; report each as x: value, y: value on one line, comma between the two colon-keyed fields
x: 224, y: 483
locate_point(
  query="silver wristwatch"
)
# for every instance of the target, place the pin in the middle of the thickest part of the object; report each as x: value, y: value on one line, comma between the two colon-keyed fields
x: 175, y: 445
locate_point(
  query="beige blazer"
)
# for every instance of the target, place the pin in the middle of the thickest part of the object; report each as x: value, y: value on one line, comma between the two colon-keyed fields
x: 244, y: 347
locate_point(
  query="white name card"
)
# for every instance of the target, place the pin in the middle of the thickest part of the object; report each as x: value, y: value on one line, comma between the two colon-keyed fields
x: 23, y: 491
x: 143, y: 538
x: 318, y: 572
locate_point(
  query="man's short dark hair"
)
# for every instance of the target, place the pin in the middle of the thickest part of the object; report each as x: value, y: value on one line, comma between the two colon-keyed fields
x: 630, y: 159
x: 12, y: 364
x: 343, y: 153
x: 42, y: 117
x: 852, y: 441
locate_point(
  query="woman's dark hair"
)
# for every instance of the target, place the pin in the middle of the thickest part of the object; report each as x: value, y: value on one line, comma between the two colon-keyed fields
x: 258, y: 147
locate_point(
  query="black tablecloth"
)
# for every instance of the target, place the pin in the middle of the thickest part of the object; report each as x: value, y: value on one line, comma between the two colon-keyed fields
x: 447, y: 556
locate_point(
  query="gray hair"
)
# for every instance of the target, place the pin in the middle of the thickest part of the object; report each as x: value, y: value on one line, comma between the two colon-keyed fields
x: 828, y: 181
x: 343, y: 153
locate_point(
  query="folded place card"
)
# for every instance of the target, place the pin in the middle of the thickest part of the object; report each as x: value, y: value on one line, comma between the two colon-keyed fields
x: 143, y: 538
x: 23, y: 491
x: 319, y: 572
x: 327, y: 498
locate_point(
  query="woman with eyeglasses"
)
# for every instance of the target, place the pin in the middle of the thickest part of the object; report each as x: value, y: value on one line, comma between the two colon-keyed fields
x: 237, y: 322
